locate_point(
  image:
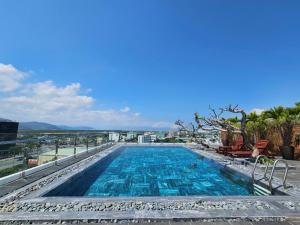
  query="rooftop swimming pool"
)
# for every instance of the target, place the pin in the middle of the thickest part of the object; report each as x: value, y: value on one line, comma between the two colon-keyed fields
x: 154, y: 171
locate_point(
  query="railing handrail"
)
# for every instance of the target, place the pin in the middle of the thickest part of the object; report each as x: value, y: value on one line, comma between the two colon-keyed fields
x: 35, y: 140
x: 285, y: 174
x: 253, y: 171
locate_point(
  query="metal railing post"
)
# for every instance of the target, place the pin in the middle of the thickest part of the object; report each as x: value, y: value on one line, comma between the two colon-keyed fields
x: 56, y: 151
x: 253, y: 171
x: 75, y: 143
x: 266, y: 170
x: 87, y: 144
x: 285, y: 173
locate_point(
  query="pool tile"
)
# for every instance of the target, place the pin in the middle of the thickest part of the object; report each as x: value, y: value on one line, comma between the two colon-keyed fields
x: 164, y: 171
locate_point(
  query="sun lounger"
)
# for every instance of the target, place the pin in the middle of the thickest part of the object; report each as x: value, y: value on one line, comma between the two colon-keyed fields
x: 261, y: 145
x: 238, y: 146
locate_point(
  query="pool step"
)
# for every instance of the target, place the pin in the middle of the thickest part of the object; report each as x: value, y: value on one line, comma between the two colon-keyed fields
x: 261, y: 191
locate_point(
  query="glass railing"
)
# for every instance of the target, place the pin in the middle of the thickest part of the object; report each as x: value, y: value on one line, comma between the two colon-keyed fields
x: 32, y: 149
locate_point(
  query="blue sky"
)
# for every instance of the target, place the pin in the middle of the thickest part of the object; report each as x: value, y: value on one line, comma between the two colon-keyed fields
x: 147, y: 63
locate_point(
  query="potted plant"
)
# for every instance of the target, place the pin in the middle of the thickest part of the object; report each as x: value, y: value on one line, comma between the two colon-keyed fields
x: 282, y: 120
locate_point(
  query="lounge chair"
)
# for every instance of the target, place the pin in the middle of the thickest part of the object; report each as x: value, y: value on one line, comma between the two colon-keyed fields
x: 238, y: 146
x: 261, y: 145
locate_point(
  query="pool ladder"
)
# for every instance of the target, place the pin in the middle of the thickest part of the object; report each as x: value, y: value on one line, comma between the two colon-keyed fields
x: 261, y: 190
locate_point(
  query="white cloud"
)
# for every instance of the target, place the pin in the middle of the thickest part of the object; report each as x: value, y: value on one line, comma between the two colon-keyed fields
x: 258, y: 111
x: 125, y: 109
x: 10, y: 78
x: 136, y: 114
x: 47, y: 102
x: 162, y: 124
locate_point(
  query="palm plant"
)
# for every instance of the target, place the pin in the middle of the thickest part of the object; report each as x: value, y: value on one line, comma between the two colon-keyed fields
x: 282, y: 120
x: 233, y: 121
x: 256, y: 126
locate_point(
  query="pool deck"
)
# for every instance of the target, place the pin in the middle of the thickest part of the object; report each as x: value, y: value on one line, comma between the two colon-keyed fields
x: 25, y: 204
x: 293, y: 177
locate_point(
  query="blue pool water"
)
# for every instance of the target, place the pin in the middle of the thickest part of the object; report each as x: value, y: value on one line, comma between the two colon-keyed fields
x: 155, y: 171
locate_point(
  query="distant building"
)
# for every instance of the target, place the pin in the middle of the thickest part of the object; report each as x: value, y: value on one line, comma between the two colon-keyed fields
x: 113, y: 136
x: 169, y: 134
x: 130, y: 135
x: 122, y: 136
x: 99, y: 140
x: 160, y: 134
x: 8, y: 133
x: 149, y: 138
x: 141, y: 139
x: 146, y: 138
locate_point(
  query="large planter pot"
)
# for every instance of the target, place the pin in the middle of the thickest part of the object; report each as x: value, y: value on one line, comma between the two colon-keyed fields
x: 288, y: 152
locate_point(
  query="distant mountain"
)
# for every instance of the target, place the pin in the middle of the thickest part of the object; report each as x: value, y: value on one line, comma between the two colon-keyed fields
x: 48, y: 126
x: 37, y: 126
x: 64, y: 127
x: 5, y: 120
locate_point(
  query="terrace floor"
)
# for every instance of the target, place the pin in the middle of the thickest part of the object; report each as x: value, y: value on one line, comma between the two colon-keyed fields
x: 293, y: 176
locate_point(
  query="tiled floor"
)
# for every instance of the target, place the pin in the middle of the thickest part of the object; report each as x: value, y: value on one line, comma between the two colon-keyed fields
x: 293, y: 174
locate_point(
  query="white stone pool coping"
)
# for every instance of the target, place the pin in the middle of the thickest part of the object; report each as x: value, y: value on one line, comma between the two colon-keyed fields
x: 26, y: 203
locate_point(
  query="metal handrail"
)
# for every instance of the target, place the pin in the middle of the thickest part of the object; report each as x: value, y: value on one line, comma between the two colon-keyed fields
x: 266, y: 170
x: 256, y: 161
x: 285, y: 174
